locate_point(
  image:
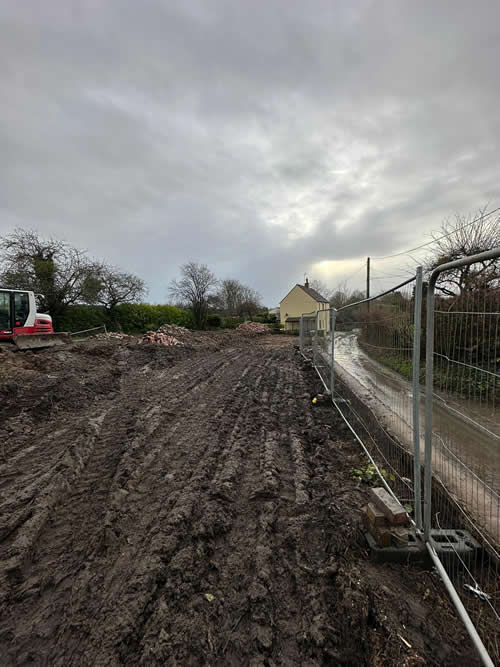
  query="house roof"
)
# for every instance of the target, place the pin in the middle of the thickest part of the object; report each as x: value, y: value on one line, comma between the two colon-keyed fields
x: 310, y: 292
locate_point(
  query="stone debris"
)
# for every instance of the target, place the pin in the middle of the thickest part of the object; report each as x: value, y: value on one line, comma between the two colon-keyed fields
x: 254, y: 328
x: 159, y: 338
x: 175, y: 330
x: 167, y: 334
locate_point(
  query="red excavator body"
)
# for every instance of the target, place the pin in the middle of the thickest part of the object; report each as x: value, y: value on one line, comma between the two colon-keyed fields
x: 21, y: 324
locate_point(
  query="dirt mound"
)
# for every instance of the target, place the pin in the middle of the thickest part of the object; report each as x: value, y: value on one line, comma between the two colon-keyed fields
x: 199, y: 510
x: 253, y: 328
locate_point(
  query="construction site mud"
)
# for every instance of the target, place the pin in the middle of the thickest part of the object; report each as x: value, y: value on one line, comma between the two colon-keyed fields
x: 190, y: 505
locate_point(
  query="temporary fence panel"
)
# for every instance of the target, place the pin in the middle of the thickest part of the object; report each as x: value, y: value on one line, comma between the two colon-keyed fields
x: 369, y: 357
x: 373, y: 377
x: 307, y: 333
x: 322, y: 347
x: 463, y: 436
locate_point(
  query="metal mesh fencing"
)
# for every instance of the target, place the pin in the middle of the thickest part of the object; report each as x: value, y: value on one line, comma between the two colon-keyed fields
x: 465, y: 490
x: 307, y: 331
x: 374, y: 348
x: 371, y: 360
x: 322, y: 346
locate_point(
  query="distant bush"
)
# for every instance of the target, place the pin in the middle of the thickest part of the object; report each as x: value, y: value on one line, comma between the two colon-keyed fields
x: 129, y: 318
x: 78, y: 318
x: 140, y: 317
x: 232, y: 322
x: 214, y: 321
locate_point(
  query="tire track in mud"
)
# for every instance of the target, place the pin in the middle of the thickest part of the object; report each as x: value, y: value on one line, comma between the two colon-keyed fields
x: 274, y: 608
x: 247, y: 534
x: 197, y: 514
x: 217, y: 523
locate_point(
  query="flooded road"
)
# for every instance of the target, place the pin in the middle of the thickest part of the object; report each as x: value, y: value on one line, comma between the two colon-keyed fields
x: 466, y: 442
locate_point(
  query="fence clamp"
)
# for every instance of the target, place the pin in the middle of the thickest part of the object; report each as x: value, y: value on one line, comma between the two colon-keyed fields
x: 477, y: 591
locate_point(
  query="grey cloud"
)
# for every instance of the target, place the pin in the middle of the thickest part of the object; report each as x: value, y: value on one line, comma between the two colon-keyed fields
x: 261, y: 138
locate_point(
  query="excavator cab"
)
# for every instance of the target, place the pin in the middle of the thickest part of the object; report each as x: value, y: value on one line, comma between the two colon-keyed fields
x: 21, y: 324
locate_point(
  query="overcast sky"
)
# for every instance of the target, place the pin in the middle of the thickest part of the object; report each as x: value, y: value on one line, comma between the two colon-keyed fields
x: 264, y: 138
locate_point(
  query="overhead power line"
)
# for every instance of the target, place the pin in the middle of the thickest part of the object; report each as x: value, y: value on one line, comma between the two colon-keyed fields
x: 424, y: 245
x: 351, y: 275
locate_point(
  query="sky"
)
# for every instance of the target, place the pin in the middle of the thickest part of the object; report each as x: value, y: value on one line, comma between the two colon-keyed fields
x: 268, y: 139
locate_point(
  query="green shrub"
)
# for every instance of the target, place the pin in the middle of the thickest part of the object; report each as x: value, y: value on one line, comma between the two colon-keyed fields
x: 232, y: 322
x: 130, y: 318
x: 214, y: 321
x: 78, y: 318
x: 141, y: 317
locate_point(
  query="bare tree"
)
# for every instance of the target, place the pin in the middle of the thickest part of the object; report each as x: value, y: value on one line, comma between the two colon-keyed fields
x: 251, y: 302
x: 61, y: 274
x: 343, y: 296
x: 230, y: 295
x: 234, y: 298
x: 194, y: 289
x: 463, y: 239
x: 321, y: 287
x: 114, y: 287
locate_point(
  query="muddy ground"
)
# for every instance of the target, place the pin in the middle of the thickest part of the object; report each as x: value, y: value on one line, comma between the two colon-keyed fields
x: 191, y: 506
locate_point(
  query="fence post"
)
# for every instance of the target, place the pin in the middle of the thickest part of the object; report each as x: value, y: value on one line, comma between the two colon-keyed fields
x: 429, y: 386
x: 315, y: 341
x: 301, y: 334
x: 332, y: 359
x: 417, y: 321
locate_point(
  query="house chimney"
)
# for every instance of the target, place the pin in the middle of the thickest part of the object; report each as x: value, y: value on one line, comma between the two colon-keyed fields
x: 307, y: 282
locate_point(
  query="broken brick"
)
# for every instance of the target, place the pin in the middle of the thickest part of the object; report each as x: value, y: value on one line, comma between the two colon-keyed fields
x: 400, y: 536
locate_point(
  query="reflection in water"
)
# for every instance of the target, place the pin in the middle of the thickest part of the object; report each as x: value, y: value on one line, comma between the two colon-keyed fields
x: 471, y: 429
x: 466, y: 435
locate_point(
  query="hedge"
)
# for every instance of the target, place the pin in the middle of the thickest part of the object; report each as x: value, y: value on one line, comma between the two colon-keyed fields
x: 214, y: 321
x: 129, y: 318
x: 232, y: 322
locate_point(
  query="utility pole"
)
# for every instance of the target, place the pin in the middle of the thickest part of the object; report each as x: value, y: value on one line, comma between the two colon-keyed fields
x: 368, y: 281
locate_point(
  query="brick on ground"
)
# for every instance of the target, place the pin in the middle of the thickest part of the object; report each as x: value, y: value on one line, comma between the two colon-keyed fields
x: 381, y: 533
x: 375, y: 516
x: 391, y: 508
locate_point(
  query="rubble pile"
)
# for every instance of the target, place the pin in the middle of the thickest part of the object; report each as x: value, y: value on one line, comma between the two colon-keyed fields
x: 254, y: 328
x: 159, y: 338
x: 181, y: 333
